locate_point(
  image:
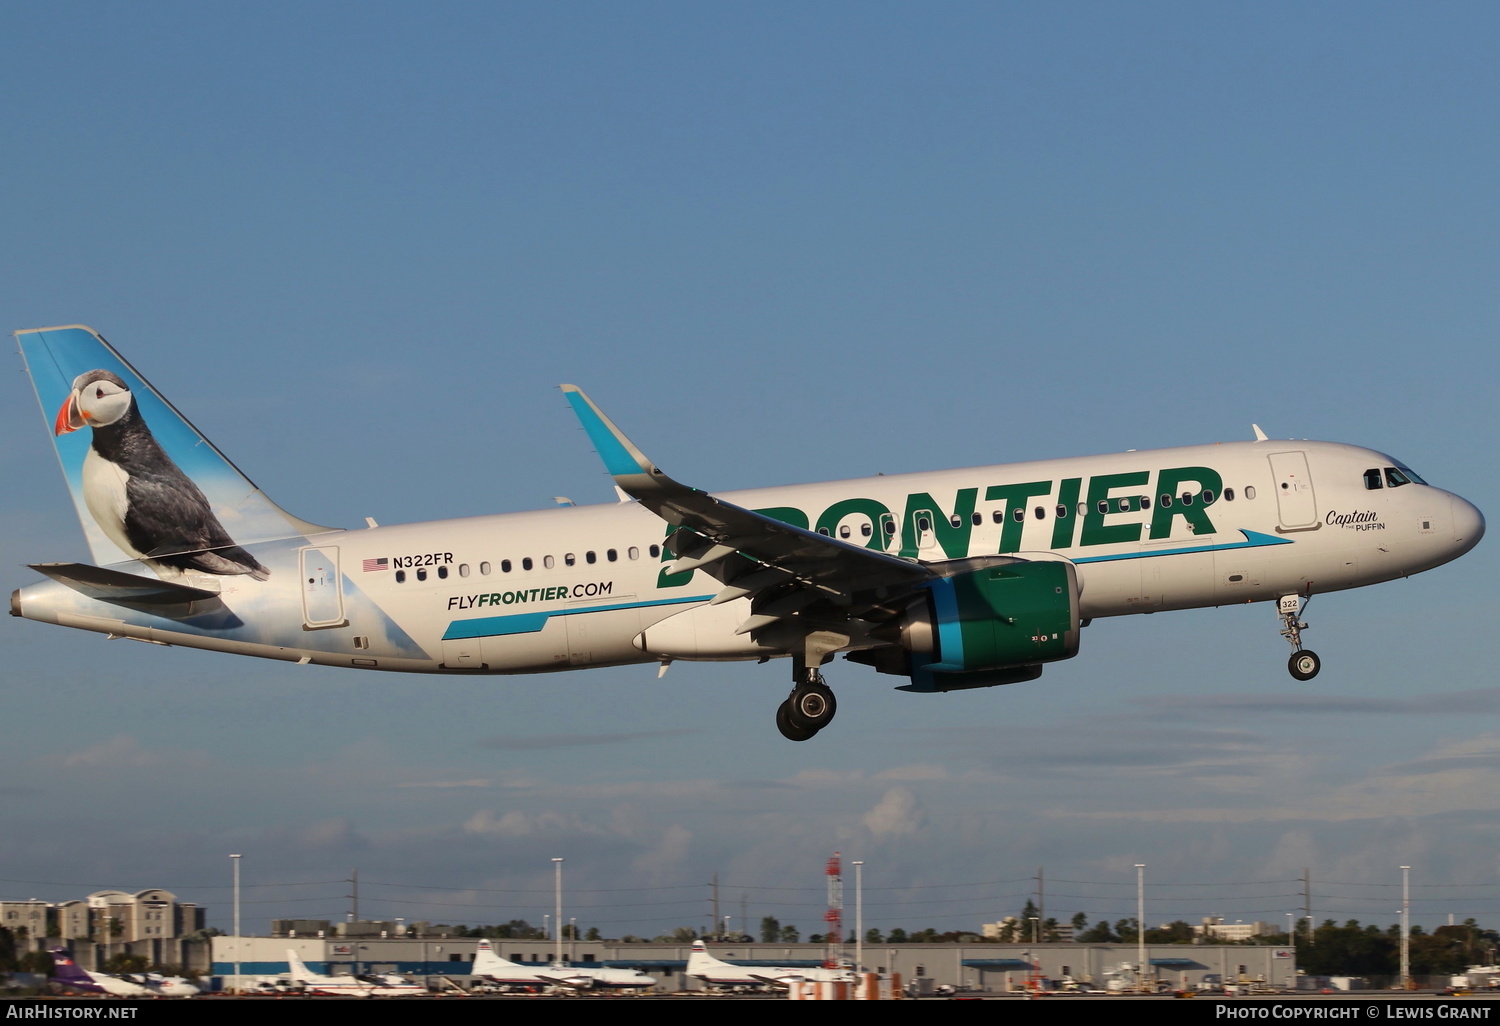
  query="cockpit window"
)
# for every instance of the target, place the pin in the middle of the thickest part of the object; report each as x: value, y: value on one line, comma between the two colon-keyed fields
x: 1372, y: 479
x: 1411, y: 475
x: 1395, y: 478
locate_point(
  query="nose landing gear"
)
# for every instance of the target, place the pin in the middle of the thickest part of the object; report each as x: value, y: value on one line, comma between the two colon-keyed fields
x: 1304, y: 664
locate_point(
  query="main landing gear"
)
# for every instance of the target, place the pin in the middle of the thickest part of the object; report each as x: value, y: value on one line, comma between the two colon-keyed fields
x: 1304, y: 664
x: 810, y: 706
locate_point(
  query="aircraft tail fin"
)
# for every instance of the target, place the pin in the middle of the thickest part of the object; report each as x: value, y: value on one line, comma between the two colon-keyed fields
x: 65, y: 970
x: 146, y: 484
x: 297, y: 968
x: 487, y: 961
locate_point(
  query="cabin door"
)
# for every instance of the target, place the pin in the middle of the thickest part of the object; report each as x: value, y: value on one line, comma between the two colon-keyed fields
x: 1295, y: 503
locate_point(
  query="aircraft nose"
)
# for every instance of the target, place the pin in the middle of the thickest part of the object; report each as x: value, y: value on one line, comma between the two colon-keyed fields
x: 1468, y: 524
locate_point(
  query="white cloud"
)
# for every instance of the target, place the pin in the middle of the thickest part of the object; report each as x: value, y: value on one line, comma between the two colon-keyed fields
x: 898, y: 812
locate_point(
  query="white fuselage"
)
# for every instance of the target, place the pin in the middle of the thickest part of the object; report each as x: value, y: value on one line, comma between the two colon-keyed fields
x: 585, y: 586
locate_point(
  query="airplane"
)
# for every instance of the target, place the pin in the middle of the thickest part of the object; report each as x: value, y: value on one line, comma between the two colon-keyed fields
x: 69, y: 974
x: 347, y: 986
x: 953, y: 580
x: 489, y: 966
x: 718, y: 973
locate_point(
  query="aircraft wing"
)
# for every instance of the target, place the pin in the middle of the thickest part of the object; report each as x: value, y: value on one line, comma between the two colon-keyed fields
x: 784, y: 569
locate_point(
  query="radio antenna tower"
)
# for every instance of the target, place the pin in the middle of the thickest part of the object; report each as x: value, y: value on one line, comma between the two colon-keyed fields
x: 834, y: 917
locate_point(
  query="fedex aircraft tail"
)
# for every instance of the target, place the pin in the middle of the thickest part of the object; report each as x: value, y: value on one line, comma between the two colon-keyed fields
x: 67, y: 971
x: 146, y: 484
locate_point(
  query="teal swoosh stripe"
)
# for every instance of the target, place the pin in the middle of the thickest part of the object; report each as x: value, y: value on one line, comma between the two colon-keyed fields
x: 1253, y: 540
x: 530, y: 623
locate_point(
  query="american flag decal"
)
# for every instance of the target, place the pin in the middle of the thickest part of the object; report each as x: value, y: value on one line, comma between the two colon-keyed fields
x: 383, y: 563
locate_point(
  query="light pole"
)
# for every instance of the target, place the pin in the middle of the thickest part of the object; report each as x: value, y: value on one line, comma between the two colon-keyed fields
x: 557, y: 895
x: 234, y: 860
x: 859, y: 916
x: 1140, y: 919
x: 1406, y: 928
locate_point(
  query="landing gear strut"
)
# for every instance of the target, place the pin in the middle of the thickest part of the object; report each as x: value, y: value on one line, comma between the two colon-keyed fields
x: 1304, y: 664
x: 810, y: 706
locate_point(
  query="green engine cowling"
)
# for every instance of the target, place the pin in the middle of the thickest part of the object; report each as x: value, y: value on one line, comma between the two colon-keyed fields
x: 991, y: 625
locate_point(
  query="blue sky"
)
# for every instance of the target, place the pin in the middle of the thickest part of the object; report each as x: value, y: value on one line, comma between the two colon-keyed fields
x: 360, y: 244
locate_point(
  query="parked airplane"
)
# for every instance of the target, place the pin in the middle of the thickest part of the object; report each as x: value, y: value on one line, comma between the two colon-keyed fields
x: 717, y: 973
x: 347, y: 986
x: 489, y: 966
x: 69, y: 974
x: 953, y: 579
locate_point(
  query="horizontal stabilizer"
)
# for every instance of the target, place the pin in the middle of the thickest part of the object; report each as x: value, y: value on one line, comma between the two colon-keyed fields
x: 116, y: 586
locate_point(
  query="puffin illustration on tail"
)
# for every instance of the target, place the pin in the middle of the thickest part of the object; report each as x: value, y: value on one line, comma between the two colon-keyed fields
x: 138, y: 496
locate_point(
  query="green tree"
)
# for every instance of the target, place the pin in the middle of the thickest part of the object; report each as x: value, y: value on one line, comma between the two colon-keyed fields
x: 1349, y: 950
x: 789, y: 935
x: 770, y: 930
x: 872, y: 936
x: 898, y: 936
x: 593, y: 934
x: 1099, y: 934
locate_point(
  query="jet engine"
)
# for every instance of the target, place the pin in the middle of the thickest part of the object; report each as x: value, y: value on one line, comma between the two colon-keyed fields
x: 982, y: 626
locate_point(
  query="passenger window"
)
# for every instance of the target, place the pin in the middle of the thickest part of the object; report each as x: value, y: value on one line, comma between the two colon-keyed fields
x: 611, y: 555
x: 923, y: 524
x: 421, y: 575
x: 1062, y: 512
x: 866, y: 530
x: 1249, y: 491
x: 999, y: 516
x: 400, y: 576
x: 1018, y: 514
x: 977, y: 519
x: 504, y: 567
x: 655, y: 551
x: 548, y: 562
x: 443, y: 573
x: 1041, y: 512
x: 1372, y: 479
x: 1125, y: 505
x: 484, y: 568
x: 1187, y: 498
x: 569, y: 559
x: 527, y: 564
x: 1166, y: 500
x: 1083, y: 509
x: 888, y: 523
x: 1229, y: 495
x: 823, y: 531
x: 589, y: 557
x: 956, y: 520
x: 1145, y: 502
x: 844, y: 531
x: 1208, y: 496
x: 633, y: 552
x: 463, y: 569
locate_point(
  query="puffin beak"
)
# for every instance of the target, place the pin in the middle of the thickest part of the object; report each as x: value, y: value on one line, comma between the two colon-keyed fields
x: 67, y: 417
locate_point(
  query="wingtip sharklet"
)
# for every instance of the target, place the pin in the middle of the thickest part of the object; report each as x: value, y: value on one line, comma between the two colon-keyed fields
x: 621, y: 457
